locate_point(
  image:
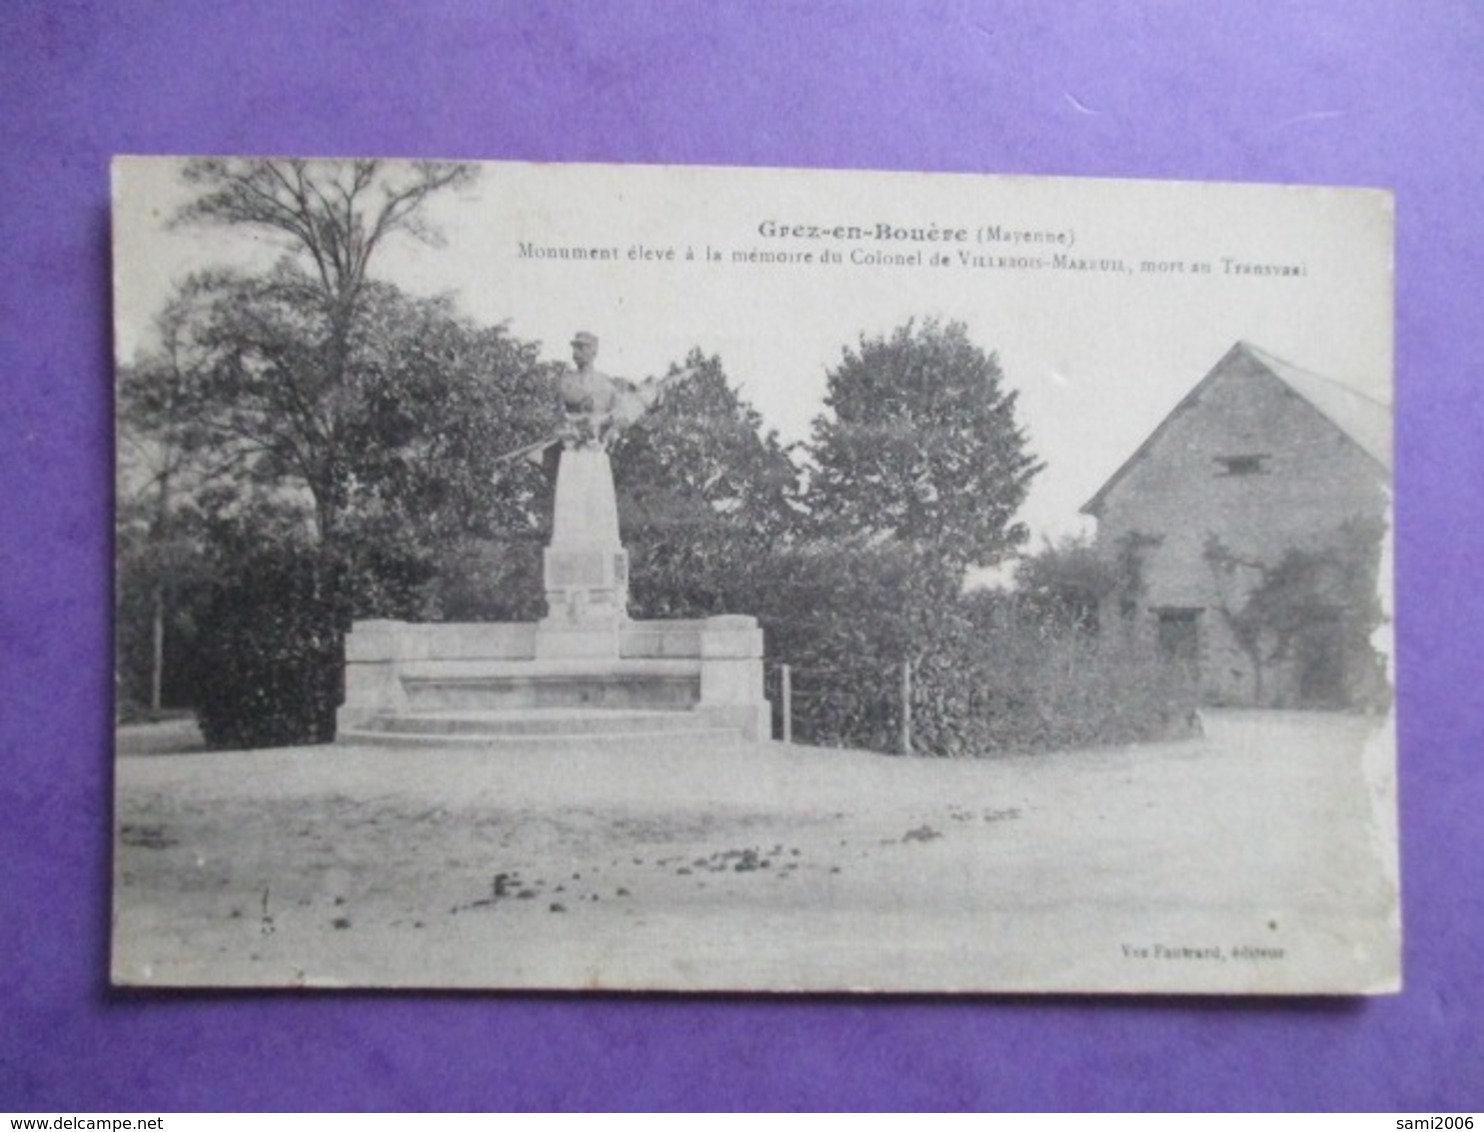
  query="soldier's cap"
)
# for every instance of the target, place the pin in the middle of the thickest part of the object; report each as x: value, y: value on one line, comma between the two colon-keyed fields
x: 583, y: 338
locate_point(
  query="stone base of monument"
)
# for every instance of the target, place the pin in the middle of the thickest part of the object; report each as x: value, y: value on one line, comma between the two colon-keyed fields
x: 586, y: 673
x: 539, y: 685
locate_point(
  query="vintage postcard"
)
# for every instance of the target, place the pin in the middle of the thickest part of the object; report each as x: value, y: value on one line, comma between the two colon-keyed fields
x: 698, y: 579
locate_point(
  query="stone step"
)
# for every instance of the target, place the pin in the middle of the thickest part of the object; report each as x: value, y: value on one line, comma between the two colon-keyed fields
x: 697, y: 738
x: 540, y: 721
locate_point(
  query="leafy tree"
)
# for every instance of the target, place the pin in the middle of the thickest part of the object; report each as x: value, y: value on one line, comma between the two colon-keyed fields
x: 158, y: 566
x: 918, y: 468
x: 161, y: 468
x: 440, y: 399
x: 314, y: 390
x: 991, y: 672
x: 315, y: 379
x: 704, y: 493
x: 432, y: 399
x: 335, y: 214
x: 920, y: 444
x: 398, y: 457
x: 284, y: 378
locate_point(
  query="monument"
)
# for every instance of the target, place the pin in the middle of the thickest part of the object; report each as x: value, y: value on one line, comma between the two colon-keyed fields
x: 586, y: 568
x: 586, y: 671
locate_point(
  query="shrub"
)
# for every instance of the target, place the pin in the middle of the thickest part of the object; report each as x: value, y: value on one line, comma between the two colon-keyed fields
x: 1003, y: 678
x: 992, y: 673
x: 271, y: 652
x: 844, y: 617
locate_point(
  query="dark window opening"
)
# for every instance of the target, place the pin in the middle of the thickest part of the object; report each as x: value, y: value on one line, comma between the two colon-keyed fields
x: 1251, y: 465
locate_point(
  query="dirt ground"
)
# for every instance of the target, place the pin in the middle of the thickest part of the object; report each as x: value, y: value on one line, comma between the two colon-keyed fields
x: 1258, y: 857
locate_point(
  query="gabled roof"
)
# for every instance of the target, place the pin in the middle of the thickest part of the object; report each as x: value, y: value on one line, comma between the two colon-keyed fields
x: 1363, y: 419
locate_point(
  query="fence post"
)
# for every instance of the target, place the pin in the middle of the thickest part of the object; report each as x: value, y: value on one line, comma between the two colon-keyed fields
x: 906, y: 738
x: 787, y: 683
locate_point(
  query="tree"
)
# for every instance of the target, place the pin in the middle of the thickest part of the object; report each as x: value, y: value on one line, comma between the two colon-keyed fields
x: 315, y: 390
x: 284, y: 380
x: 846, y: 615
x: 161, y: 468
x: 918, y: 468
x: 438, y: 399
x: 315, y: 378
x: 1068, y: 583
x: 335, y: 213
x: 704, y: 492
x: 399, y: 453
x: 920, y: 445
x: 365, y: 493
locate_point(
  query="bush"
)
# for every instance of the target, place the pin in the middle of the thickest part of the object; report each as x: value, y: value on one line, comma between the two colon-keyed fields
x: 1004, y: 678
x: 272, y: 653
x: 992, y: 673
x: 843, y: 617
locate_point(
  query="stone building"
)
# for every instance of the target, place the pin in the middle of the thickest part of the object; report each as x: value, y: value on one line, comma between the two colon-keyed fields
x: 1250, y: 527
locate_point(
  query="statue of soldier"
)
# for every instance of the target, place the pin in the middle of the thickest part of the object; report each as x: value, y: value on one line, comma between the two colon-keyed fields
x: 598, y: 406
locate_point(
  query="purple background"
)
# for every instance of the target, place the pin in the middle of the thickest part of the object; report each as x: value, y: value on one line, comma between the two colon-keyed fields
x: 1382, y: 94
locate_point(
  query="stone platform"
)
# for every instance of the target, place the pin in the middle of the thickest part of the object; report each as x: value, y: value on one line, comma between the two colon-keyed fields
x: 500, y: 685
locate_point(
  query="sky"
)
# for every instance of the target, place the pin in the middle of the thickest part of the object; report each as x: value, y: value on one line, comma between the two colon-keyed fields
x: 1096, y: 356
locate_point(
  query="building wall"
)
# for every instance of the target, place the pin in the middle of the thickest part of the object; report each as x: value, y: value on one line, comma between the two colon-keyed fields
x: 1312, y: 478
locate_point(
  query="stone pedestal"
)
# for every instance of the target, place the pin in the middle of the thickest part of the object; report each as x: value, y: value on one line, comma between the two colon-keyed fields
x: 731, y: 648
x: 586, y: 566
